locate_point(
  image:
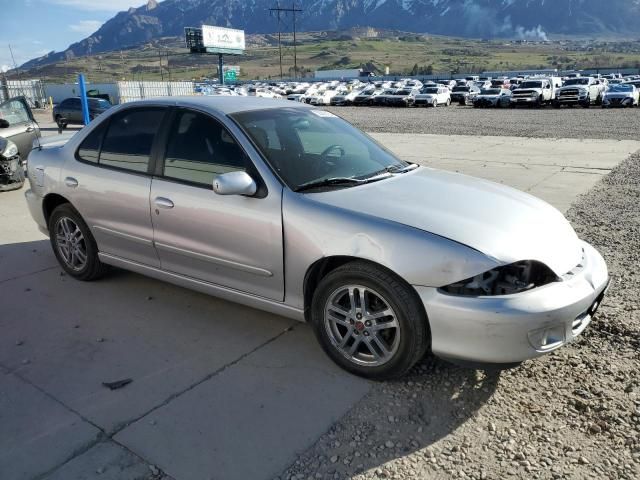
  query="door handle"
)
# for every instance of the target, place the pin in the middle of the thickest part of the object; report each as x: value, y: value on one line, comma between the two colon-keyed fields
x: 30, y: 129
x: 162, y: 202
x: 71, y: 182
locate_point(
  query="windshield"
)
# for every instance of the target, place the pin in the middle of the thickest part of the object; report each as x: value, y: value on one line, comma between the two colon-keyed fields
x: 620, y: 87
x: 490, y: 91
x: 430, y: 90
x: 461, y: 89
x: 304, y: 145
x: 531, y: 85
x: 403, y: 92
x: 577, y: 81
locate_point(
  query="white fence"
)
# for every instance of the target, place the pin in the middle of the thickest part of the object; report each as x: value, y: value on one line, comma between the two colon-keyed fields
x: 32, y: 90
x: 130, y: 91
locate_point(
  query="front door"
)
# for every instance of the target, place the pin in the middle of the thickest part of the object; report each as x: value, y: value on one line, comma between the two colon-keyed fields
x: 234, y: 241
x: 22, y: 128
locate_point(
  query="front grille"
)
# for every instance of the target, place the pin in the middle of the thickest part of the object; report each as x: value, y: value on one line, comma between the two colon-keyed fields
x: 572, y: 94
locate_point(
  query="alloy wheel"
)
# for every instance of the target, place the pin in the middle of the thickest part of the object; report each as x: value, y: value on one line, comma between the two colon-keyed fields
x: 71, y: 244
x: 362, y: 325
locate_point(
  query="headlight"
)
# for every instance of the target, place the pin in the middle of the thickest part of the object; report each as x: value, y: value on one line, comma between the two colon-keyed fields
x: 508, y: 279
x: 534, y: 94
x: 8, y: 149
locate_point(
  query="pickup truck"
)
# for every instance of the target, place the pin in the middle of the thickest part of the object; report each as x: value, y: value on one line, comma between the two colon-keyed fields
x: 583, y: 91
x: 535, y: 92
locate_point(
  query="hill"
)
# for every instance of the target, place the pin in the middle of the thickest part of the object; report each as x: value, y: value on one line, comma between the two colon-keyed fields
x: 520, y: 19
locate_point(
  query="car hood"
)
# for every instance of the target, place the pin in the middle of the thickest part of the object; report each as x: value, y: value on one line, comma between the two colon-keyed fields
x: 503, y: 223
x: 487, y: 97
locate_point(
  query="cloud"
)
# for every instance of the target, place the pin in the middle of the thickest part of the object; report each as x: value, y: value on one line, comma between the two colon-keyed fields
x: 99, y: 5
x: 4, y: 68
x: 86, y: 27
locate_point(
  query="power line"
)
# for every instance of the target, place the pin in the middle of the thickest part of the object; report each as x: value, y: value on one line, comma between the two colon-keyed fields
x: 293, y: 10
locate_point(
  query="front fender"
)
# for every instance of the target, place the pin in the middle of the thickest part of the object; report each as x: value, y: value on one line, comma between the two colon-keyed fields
x: 313, y: 231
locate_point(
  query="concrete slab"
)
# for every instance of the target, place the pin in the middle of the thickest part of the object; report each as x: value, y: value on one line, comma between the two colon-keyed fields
x: 251, y: 420
x: 16, y: 227
x: 166, y: 339
x: 36, y: 433
x: 107, y: 461
x: 556, y: 170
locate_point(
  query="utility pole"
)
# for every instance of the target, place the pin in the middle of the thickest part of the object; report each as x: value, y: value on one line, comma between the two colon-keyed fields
x: 160, y: 59
x: 15, y: 67
x: 278, y: 11
x: 293, y: 10
x: 295, y: 53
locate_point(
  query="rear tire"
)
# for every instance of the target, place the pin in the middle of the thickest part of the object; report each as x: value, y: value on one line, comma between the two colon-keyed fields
x: 73, y: 244
x: 369, y: 321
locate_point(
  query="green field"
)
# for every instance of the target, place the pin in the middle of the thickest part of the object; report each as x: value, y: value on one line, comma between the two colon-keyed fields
x: 402, y: 53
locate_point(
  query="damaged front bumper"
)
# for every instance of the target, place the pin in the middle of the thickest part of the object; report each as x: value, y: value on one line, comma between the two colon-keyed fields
x: 509, y: 329
x: 11, y: 174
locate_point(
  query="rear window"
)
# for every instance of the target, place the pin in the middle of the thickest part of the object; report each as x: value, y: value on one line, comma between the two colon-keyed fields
x: 128, y: 141
x: 124, y: 141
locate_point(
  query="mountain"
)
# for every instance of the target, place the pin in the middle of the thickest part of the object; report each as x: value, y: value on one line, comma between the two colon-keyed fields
x: 526, y: 19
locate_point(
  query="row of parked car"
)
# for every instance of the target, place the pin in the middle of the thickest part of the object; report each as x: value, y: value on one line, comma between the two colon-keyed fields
x: 611, y: 90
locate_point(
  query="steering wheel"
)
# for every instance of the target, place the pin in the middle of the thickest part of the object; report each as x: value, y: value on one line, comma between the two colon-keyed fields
x: 326, y: 161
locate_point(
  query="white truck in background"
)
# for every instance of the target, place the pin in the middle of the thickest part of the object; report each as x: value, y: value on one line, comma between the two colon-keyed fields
x: 536, y: 91
x: 583, y: 91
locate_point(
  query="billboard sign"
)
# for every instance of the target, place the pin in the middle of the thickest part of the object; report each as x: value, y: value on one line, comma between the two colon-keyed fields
x: 223, y: 40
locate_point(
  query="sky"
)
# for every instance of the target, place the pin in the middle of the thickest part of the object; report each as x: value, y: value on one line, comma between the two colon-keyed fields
x: 51, y: 25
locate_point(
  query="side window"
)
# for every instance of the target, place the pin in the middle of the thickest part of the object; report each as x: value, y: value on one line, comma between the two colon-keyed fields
x: 89, y: 150
x: 75, y: 103
x: 200, y: 148
x: 129, y: 139
x: 14, y: 112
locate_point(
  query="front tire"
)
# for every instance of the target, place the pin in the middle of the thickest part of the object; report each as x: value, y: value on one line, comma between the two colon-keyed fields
x: 74, y: 245
x: 369, y: 321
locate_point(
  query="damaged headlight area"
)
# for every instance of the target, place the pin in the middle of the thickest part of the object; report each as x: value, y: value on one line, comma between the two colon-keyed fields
x: 506, y: 280
x: 11, y: 172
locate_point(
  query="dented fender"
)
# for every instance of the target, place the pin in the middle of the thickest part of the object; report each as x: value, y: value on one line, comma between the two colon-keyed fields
x: 313, y: 231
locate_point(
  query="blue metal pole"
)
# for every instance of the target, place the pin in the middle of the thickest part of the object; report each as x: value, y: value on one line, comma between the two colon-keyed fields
x: 83, y: 99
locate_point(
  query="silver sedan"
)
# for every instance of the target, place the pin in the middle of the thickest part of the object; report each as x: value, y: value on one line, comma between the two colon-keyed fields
x: 290, y: 209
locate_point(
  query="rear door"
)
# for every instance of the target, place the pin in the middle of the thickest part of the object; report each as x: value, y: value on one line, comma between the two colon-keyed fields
x: 111, y: 180
x: 22, y: 128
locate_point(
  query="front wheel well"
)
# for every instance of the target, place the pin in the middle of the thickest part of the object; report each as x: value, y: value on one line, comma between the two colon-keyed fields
x: 319, y: 269
x: 50, y: 203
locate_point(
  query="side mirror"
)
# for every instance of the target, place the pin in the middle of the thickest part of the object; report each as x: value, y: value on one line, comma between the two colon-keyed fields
x: 234, y: 183
x: 4, y: 123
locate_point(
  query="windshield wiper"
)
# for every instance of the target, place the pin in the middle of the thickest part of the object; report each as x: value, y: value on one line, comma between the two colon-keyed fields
x: 329, y: 182
x: 401, y: 168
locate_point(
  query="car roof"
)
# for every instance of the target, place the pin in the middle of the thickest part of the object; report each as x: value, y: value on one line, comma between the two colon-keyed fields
x: 221, y: 104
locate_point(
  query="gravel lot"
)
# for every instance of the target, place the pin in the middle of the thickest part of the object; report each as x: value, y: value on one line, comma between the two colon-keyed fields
x: 522, y: 122
x: 572, y: 414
